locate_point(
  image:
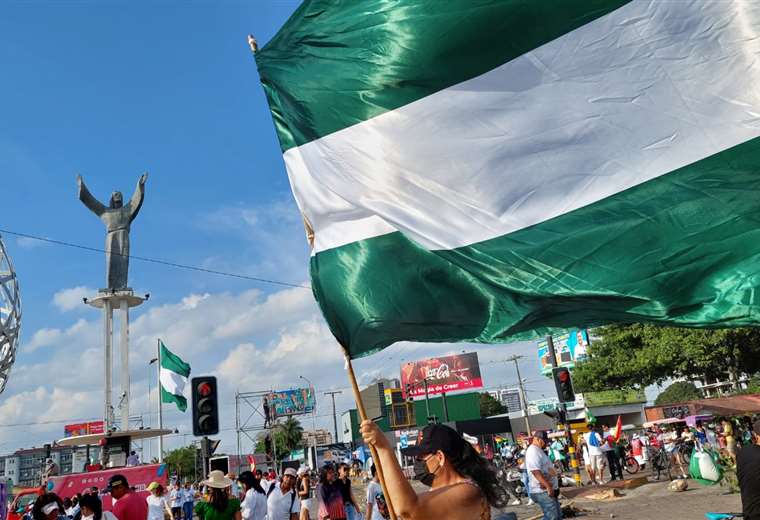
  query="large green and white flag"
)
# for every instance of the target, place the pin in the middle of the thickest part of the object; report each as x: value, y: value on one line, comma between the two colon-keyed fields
x: 488, y: 170
x: 173, y: 375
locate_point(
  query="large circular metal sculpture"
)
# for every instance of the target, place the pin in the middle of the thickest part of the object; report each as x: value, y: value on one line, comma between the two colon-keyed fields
x: 10, y: 315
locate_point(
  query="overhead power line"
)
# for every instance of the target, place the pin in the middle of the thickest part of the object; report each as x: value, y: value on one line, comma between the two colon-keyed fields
x: 155, y: 260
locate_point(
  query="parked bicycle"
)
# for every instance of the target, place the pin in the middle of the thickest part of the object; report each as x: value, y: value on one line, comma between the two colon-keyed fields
x: 660, y: 460
x: 631, y: 464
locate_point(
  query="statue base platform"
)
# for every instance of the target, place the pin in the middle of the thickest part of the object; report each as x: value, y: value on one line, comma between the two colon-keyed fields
x: 115, y: 296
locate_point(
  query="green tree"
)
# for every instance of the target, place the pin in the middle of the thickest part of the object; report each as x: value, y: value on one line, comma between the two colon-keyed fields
x: 290, y: 433
x: 678, y: 392
x: 490, y: 406
x: 286, y: 436
x: 635, y: 356
x: 182, y: 461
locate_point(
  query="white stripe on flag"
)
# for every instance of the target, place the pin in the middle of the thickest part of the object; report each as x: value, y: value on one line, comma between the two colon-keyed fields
x: 638, y: 93
x: 172, y: 382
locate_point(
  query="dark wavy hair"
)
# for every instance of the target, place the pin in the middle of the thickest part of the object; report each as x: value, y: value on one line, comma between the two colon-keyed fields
x: 218, y: 499
x: 250, y: 482
x: 323, y: 474
x: 470, y: 464
x: 43, y: 500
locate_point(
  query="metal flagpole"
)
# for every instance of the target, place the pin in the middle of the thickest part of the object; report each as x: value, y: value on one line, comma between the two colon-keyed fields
x: 160, y: 407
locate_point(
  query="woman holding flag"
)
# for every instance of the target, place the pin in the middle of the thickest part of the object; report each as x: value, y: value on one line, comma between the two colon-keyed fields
x: 463, y: 485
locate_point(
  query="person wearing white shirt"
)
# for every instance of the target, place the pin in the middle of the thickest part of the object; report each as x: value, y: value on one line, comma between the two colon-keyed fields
x: 157, y: 503
x: 542, y: 477
x: 188, y: 501
x: 596, y: 458
x: 281, y: 499
x: 375, y: 498
x: 254, y: 504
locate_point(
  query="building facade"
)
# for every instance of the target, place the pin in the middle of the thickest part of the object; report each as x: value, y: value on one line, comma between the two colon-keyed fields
x: 24, y: 467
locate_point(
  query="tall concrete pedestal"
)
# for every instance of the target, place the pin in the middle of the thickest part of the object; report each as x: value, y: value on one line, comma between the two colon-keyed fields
x: 121, y: 301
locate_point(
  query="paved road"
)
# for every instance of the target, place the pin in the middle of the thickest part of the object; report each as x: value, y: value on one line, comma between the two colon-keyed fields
x: 652, y: 501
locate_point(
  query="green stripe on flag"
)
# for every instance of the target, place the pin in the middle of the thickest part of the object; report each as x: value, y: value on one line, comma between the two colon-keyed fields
x: 173, y: 374
x: 682, y: 249
x: 171, y: 361
x: 179, y: 400
x: 336, y: 64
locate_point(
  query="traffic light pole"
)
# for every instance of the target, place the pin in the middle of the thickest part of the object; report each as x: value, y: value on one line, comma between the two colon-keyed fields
x: 563, y: 410
x: 204, y: 455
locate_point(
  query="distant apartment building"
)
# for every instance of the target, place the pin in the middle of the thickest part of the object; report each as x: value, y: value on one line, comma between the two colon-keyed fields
x: 716, y: 387
x: 509, y: 397
x: 323, y: 437
x: 24, y: 467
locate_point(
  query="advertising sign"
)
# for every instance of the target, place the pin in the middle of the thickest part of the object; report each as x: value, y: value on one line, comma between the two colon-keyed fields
x: 88, y: 428
x: 138, y: 476
x: 299, y: 401
x: 443, y: 374
x: 569, y: 348
x: 614, y: 397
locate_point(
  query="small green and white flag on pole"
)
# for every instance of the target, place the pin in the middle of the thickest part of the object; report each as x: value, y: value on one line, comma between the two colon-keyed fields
x: 173, y: 375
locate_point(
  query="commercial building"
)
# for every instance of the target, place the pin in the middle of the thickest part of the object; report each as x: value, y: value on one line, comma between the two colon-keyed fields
x: 718, y: 406
x: 509, y: 397
x: 24, y: 467
x: 322, y: 437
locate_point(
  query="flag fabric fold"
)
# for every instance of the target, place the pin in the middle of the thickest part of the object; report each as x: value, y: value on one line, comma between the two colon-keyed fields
x: 173, y: 377
x: 477, y: 170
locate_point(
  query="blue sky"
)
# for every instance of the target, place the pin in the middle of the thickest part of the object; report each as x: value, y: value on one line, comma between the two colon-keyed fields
x: 113, y: 89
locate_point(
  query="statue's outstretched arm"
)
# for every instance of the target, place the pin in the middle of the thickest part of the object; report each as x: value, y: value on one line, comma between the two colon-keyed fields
x: 86, y: 197
x: 135, y: 203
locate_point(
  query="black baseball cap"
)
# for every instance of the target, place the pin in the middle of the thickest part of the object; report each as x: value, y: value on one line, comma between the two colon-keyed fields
x: 434, y: 437
x: 116, y: 480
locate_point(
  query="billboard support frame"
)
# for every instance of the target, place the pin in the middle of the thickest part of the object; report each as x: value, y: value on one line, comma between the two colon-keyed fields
x: 249, y: 409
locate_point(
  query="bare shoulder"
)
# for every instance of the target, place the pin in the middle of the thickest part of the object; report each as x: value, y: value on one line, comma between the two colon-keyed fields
x: 462, y: 500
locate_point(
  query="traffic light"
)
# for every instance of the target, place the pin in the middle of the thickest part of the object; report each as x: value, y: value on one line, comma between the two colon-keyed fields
x: 205, y: 406
x: 209, y: 446
x: 564, y: 385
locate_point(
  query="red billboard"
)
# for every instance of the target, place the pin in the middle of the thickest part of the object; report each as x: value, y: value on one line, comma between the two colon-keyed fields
x: 443, y: 374
x: 138, y: 477
x: 88, y: 428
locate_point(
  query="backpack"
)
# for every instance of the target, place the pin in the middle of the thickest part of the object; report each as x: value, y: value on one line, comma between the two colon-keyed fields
x: 593, y: 439
x: 292, y: 495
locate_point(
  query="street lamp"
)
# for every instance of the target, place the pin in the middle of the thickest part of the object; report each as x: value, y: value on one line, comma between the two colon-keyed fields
x: 313, y: 421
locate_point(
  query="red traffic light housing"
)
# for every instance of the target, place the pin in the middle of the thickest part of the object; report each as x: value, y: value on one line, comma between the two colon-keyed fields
x: 205, y: 406
x: 564, y: 385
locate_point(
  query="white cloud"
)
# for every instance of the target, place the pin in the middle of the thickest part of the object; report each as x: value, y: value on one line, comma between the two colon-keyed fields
x: 50, y: 337
x: 70, y: 299
x: 30, y: 243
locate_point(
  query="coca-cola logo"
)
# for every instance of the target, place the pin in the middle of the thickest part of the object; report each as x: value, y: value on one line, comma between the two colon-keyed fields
x: 442, y: 372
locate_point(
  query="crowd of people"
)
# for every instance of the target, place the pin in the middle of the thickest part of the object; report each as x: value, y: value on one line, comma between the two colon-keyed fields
x: 253, y: 495
x: 463, y: 483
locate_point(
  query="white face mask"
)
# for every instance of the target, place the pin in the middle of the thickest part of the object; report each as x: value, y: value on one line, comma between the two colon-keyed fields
x: 88, y: 517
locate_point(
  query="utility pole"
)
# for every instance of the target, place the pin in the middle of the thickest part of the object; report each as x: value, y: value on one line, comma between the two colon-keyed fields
x: 335, y: 415
x: 522, y: 391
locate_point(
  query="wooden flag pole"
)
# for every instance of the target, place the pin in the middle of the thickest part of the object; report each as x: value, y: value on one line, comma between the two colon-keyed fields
x: 363, y: 416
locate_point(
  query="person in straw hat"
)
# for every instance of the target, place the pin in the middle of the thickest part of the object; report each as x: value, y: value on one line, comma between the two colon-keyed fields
x: 218, y: 505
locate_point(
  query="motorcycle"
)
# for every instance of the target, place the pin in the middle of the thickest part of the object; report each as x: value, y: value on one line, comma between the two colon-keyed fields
x: 511, y: 477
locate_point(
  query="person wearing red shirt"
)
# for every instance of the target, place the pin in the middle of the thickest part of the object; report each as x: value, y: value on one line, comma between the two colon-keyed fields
x: 128, y: 505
